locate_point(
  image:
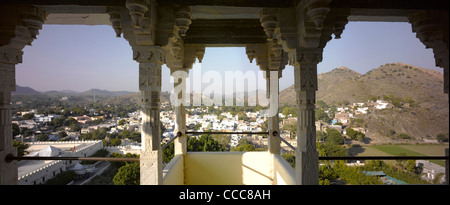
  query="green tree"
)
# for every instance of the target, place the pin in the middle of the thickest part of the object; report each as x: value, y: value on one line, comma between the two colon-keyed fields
x: 411, y: 166
x: 289, y: 111
x: 62, y: 134
x: 320, y: 135
x: 21, y: 147
x: 115, y: 142
x: 242, y: 116
x: 244, y: 145
x: 290, y: 158
x: 403, y: 136
x: 334, y: 136
x: 334, y: 150
x: 168, y: 152
x: 291, y: 128
x: 15, y: 129
x: 441, y: 137
x: 321, y: 115
x: 203, y: 144
x: 354, y: 135
x: 321, y: 104
x: 128, y: 175
x: 42, y: 137
x: 28, y: 116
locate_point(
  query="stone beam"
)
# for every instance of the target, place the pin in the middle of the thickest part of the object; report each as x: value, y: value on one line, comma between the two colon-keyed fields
x: 234, y: 3
x: 391, y: 4
x: 225, y: 32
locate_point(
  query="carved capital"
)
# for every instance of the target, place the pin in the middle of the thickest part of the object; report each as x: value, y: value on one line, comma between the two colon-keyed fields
x: 115, y: 19
x: 316, y: 11
x: 200, y: 52
x: 269, y: 21
x: 183, y: 18
x: 33, y: 18
x: 137, y: 10
x: 277, y: 57
x: 149, y: 54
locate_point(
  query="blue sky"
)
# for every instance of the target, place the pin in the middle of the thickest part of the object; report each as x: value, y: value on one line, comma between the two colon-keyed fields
x: 83, y: 57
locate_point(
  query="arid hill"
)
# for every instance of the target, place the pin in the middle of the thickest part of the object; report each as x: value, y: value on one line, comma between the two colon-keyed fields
x: 427, y: 115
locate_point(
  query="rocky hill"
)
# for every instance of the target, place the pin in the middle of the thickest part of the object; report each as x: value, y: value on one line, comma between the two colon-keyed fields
x: 423, y: 88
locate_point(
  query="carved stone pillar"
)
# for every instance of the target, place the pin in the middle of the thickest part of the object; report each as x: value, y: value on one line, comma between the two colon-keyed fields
x: 18, y: 28
x: 307, y: 164
x: 150, y: 60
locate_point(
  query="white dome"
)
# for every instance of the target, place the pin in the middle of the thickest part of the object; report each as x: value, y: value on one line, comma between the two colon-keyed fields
x: 49, y: 151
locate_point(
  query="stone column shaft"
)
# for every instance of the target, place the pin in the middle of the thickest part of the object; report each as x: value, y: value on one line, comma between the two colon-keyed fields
x: 273, y: 121
x: 150, y: 60
x: 307, y: 165
x: 179, y: 84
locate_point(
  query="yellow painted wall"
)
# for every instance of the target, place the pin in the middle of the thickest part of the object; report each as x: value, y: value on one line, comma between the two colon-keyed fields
x: 173, y: 173
x: 228, y: 168
x: 285, y: 174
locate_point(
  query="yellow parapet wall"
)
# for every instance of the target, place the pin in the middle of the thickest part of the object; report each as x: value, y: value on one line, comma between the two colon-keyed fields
x: 173, y: 173
x: 228, y: 168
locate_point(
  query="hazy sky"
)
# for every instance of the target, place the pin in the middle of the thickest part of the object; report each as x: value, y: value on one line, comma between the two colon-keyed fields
x: 83, y: 57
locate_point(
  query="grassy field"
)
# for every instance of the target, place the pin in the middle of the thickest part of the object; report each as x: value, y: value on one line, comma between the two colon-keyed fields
x: 402, y: 150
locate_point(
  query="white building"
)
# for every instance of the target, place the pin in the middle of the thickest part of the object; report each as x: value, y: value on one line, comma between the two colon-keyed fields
x: 38, y: 172
x: 362, y: 110
x: 381, y: 104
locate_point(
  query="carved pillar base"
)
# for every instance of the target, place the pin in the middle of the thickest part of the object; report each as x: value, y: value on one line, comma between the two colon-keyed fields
x: 151, y: 167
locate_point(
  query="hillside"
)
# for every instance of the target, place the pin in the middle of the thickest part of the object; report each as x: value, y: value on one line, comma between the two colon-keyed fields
x: 25, y: 91
x: 428, y: 115
x: 133, y: 98
x: 105, y: 92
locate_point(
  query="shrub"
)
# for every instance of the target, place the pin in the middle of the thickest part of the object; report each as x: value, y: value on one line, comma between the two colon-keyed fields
x: 403, y: 136
x: 441, y: 137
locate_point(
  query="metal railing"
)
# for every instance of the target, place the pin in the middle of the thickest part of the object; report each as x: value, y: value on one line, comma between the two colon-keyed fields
x: 387, y: 158
x: 275, y: 133
x: 9, y: 158
x: 214, y: 132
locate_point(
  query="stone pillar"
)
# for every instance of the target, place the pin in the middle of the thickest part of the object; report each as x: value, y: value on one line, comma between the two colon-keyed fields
x: 8, y: 171
x: 18, y: 28
x: 150, y: 60
x: 178, y: 98
x: 273, y: 121
x: 307, y: 164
